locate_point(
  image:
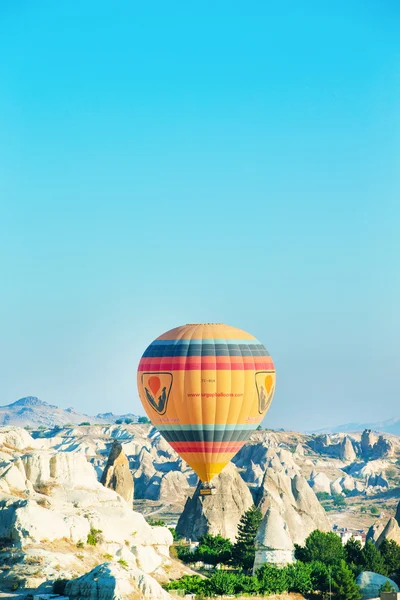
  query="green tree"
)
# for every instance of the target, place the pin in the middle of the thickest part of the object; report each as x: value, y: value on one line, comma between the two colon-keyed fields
x: 128, y: 421
x: 322, y: 496
x: 338, y: 500
x: 243, y: 551
x: 372, y: 560
x: 320, y: 576
x: 353, y: 554
x: 374, y: 510
x: 192, y: 584
x: 272, y: 579
x: 246, y: 584
x: 84, y: 423
x: 344, y: 585
x: 143, y: 420
x: 213, y: 549
x: 390, y: 552
x: 299, y: 577
x: 319, y: 546
x: 387, y: 587
x: 221, y: 583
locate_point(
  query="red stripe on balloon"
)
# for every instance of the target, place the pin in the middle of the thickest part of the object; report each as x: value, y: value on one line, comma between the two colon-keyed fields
x: 206, y: 447
x: 206, y: 363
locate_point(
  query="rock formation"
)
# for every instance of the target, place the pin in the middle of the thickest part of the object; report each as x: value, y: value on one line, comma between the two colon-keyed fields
x: 219, y: 513
x: 112, y: 582
x: 299, y: 514
x: 117, y: 475
x: 390, y: 532
x: 273, y: 542
x: 320, y: 483
x: 346, y: 450
x: 370, y: 584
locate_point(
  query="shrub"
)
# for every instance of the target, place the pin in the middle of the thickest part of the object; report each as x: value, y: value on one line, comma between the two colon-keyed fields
x: 192, y: 584
x: 322, y: 496
x: 93, y: 537
x: 84, y: 423
x: 374, y: 510
x: 272, y: 579
x: 80, y: 544
x: 59, y: 586
x: 123, y: 563
x: 338, y: 500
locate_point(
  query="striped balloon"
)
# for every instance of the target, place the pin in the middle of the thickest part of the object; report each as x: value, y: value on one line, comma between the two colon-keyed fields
x: 206, y: 387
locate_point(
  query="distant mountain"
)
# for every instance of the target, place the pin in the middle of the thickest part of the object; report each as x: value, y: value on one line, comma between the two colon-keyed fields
x: 388, y: 426
x: 33, y: 412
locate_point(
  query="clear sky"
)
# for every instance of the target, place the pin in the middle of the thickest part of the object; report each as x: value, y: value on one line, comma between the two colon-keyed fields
x: 172, y: 162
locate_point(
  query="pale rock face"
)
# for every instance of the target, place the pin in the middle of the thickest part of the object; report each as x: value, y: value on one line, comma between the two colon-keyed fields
x: 117, y: 475
x: 348, y: 483
x: 37, y: 467
x: 320, y: 483
x: 12, y: 477
x: 113, y: 582
x: 173, y: 488
x: 24, y: 521
x: 390, y: 532
x: 72, y: 469
x: 346, y: 451
x: 16, y: 437
x: 62, y: 468
x: 217, y: 514
x: 370, y: 584
x: 336, y: 488
x: 299, y: 512
x: 273, y: 541
x: 144, y: 473
x: 299, y: 450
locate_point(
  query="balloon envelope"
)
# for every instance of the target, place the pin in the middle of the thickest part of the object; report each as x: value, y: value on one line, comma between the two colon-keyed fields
x: 206, y: 387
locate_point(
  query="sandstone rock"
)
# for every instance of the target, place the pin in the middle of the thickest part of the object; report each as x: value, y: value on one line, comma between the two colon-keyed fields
x: 219, y: 513
x: 299, y: 510
x: 348, y: 483
x: 390, y: 532
x: 24, y: 521
x: 336, y: 488
x: 383, y: 448
x: 16, y: 437
x: 374, y: 532
x: 370, y: 584
x: 173, y: 488
x: 112, y: 582
x: 320, y: 483
x: 346, y: 450
x: 378, y: 480
x: 273, y: 541
x: 144, y: 473
x: 11, y: 475
x: 117, y: 475
x: 368, y: 440
x: 299, y: 450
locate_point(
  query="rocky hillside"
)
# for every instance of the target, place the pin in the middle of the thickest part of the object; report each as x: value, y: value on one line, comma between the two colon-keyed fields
x: 32, y: 412
x: 52, y: 500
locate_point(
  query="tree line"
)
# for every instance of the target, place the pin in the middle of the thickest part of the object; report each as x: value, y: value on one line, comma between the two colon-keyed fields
x: 324, y: 566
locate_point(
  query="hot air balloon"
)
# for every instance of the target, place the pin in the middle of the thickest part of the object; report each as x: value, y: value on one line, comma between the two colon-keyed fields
x: 206, y: 387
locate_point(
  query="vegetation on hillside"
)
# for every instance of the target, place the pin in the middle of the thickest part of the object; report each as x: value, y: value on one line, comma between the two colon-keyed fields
x: 323, y: 566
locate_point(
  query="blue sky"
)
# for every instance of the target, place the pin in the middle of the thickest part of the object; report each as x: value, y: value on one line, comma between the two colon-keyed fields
x: 164, y: 163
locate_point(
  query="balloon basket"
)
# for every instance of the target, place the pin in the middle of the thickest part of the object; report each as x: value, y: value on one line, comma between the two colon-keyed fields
x: 208, y: 490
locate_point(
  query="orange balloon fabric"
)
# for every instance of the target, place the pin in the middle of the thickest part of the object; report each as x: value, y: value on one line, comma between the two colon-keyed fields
x: 206, y: 387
